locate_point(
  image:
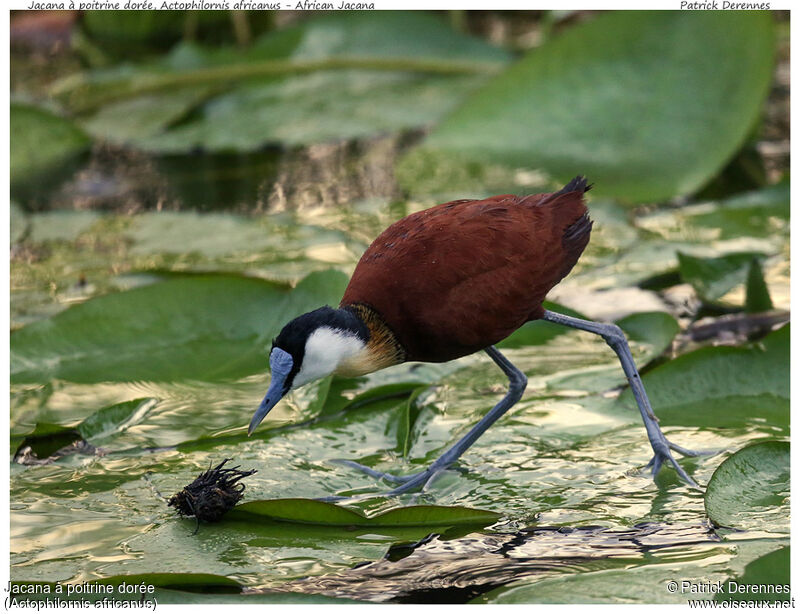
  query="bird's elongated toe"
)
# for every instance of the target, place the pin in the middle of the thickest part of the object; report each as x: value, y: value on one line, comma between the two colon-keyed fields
x: 662, y: 455
x: 379, y: 475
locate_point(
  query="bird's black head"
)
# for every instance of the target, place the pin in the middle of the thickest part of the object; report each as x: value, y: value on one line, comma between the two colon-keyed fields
x: 293, y: 337
x: 308, y: 348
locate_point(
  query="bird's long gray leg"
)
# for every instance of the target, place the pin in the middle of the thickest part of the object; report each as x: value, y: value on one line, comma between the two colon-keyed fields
x: 516, y: 387
x: 614, y: 337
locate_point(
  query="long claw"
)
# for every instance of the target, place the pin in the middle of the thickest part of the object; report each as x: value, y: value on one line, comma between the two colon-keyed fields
x: 683, y: 473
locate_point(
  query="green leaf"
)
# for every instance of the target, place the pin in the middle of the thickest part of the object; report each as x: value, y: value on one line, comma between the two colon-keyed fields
x: 647, y: 104
x: 195, y: 327
x: 749, y: 214
x: 656, y: 329
x: 114, y: 418
x: 61, y: 225
x: 45, y: 440
x: 713, y: 277
x: 145, y: 116
x: 723, y: 386
x: 330, y: 77
x: 757, y: 294
x: 750, y: 489
x: 217, y: 234
x: 407, y: 416
x: 41, y: 141
x: 323, y: 389
x: 771, y: 569
x: 311, y: 511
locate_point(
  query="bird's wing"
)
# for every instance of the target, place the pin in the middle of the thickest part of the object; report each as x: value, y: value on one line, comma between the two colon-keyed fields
x: 463, y: 275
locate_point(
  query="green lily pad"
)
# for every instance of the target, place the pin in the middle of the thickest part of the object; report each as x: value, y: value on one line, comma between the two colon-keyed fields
x: 750, y: 489
x: 713, y: 277
x: 48, y: 439
x: 198, y: 326
x: 41, y: 141
x: 310, y: 511
x: 723, y: 386
x: 114, y: 418
x: 61, y: 225
x: 647, y: 104
x: 656, y: 329
x: 356, y: 75
x: 771, y: 570
x: 749, y: 214
x: 214, y: 234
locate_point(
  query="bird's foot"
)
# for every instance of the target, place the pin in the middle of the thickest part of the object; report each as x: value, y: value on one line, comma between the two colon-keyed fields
x: 379, y: 475
x: 662, y: 454
x: 406, y: 482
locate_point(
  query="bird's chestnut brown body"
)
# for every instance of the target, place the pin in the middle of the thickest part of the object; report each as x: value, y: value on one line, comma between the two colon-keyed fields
x: 461, y: 276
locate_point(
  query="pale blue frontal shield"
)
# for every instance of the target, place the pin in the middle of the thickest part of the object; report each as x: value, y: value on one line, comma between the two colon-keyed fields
x: 281, y: 364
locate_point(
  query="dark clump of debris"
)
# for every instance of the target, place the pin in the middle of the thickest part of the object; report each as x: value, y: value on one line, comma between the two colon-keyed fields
x: 212, y: 495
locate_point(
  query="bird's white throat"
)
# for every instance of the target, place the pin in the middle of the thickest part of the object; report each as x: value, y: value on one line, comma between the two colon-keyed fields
x: 329, y: 350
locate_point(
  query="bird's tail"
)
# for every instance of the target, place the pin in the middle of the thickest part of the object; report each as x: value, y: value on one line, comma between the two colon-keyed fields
x: 578, y: 226
x: 577, y: 184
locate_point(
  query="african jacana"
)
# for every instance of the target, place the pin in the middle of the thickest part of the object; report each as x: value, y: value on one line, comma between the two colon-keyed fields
x: 446, y: 282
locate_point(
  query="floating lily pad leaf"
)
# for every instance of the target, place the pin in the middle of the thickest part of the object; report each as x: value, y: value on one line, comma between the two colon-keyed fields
x: 770, y: 569
x: 44, y: 443
x: 115, y: 418
x: 647, y: 104
x: 748, y: 214
x: 199, y: 326
x: 61, y: 225
x: 757, y: 297
x: 213, y: 234
x: 375, y: 399
x: 723, y: 386
x: 713, y: 277
x: 173, y: 596
x: 131, y: 120
x: 41, y: 141
x: 539, y: 332
x: 311, y: 511
x: 49, y: 442
x: 656, y: 329
x: 750, y: 489
x: 391, y: 71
